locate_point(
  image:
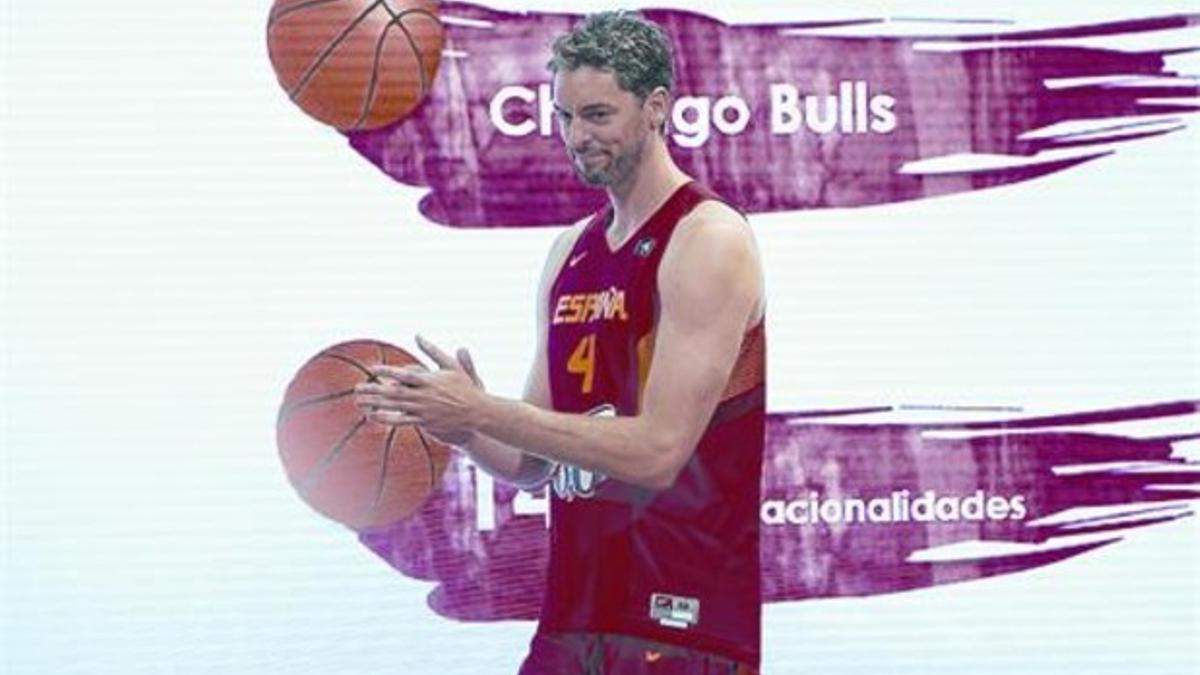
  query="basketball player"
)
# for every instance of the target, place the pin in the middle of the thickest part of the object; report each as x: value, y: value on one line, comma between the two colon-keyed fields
x: 644, y: 408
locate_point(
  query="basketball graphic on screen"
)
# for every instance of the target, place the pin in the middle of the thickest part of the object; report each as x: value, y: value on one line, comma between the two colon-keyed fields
x: 355, y: 64
x: 360, y: 473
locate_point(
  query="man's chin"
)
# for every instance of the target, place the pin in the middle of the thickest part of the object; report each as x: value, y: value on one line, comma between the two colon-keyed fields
x: 595, y: 178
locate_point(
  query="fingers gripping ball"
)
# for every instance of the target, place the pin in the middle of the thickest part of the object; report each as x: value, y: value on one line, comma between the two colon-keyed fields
x: 360, y: 473
x: 355, y: 64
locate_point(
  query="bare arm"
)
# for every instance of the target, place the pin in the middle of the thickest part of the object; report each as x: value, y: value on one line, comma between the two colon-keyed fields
x: 710, y: 292
x: 710, y: 287
x: 508, y: 462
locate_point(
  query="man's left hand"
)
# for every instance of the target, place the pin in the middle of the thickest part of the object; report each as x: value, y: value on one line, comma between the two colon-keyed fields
x: 445, y: 402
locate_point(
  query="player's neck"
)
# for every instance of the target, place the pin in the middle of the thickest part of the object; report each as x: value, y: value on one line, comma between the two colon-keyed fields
x: 645, y: 190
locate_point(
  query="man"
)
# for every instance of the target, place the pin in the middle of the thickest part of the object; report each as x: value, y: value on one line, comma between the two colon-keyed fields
x: 644, y: 407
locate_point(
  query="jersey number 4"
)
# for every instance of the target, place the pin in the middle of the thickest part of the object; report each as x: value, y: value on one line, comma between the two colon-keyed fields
x: 583, y: 361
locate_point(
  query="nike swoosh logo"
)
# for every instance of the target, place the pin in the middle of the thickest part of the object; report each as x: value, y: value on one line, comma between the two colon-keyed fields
x: 576, y: 258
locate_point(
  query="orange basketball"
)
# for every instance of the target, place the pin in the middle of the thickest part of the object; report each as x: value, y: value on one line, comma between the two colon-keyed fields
x: 358, y: 472
x: 355, y: 64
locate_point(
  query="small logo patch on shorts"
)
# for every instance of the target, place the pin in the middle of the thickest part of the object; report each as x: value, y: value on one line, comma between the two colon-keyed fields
x: 674, y: 611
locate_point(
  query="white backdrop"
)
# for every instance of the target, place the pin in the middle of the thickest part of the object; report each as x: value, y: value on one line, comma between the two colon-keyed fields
x: 178, y: 239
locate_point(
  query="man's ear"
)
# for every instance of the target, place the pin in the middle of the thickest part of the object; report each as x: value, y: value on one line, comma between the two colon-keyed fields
x: 658, y: 104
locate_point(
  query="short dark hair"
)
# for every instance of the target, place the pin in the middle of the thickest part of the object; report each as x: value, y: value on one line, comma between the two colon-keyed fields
x: 636, y: 50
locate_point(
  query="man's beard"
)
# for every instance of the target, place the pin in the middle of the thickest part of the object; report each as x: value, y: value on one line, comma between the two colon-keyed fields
x: 612, y: 173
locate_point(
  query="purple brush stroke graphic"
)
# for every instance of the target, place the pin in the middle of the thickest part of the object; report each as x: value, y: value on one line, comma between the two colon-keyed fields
x: 980, y: 99
x: 1081, y: 488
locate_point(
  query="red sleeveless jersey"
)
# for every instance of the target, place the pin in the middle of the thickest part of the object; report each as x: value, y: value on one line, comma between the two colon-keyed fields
x: 679, y: 565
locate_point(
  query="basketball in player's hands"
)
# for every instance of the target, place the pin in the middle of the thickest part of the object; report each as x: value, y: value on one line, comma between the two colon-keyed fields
x: 357, y: 472
x: 355, y: 64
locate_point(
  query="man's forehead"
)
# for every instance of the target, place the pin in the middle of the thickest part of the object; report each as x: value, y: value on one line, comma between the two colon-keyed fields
x: 585, y: 86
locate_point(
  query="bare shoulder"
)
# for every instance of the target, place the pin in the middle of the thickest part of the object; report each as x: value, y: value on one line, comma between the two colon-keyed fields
x: 559, y: 250
x: 712, y: 210
x: 713, y: 226
x: 714, y: 244
x: 563, y: 243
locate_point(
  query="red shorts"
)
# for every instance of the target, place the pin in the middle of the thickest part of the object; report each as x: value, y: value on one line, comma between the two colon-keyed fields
x: 609, y: 654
